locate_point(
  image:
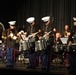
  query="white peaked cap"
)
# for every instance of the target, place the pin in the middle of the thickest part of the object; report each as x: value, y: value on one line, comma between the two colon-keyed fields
x: 30, y: 20
x: 12, y: 22
x: 45, y: 19
x: 74, y: 18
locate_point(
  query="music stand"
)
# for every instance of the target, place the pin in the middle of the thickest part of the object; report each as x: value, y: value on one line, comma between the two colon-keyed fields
x: 23, y: 36
x: 64, y: 40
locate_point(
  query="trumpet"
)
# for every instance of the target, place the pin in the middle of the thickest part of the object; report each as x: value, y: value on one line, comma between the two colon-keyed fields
x: 12, y: 36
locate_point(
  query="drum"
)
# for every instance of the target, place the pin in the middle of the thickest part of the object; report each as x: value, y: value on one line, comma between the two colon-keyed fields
x: 58, y: 48
x: 65, y: 48
x: 31, y: 39
x: 71, y: 48
x: 40, y: 45
x: 74, y: 38
x: 23, y: 45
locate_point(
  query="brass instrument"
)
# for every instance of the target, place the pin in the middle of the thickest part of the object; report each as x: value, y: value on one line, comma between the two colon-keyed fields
x: 4, y: 37
x: 67, y: 34
x: 8, y: 35
x: 12, y: 36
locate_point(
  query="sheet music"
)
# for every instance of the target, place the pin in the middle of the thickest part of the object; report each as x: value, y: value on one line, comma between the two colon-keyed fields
x: 23, y: 36
x: 64, y: 40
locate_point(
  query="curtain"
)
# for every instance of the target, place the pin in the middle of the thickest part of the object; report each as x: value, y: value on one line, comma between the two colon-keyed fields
x: 62, y: 12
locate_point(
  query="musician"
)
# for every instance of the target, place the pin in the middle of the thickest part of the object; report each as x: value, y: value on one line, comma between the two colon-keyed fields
x: 54, y: 32
x: 31, y: 30
x: 57, y: 47
x: 46, y: 28
x: 38, y: 48
x: 67, y: 33
x: 10, y: 37
x: 72, y: 55
x: 21, y: 36
x: 74, y: 31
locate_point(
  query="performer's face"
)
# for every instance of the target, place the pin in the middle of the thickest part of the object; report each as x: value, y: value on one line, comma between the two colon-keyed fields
x: 47, y: 23
x: 74, y: 23
x: 32, y: 23
x: 54, y: 30
x: 58, y: 35
x: 66, y: 27
x: 12, y: 27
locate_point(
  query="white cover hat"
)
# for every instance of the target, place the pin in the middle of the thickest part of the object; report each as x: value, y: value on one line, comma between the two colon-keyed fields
x: 45, y: 19
x: 74, y: 18
x: 30, y: 20
x: 12, y: 22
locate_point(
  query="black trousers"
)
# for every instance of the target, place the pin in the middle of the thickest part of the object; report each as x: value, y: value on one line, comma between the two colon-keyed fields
x: 72, y: 61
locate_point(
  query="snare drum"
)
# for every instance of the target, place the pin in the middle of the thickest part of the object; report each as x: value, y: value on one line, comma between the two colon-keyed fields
x: 40, y: 45
x: 23, y: 45
x: 31, y: 39
x: 58, y: 48
x: 73, y: 48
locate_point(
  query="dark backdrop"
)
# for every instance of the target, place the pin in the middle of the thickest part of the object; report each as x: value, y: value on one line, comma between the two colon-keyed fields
x: 62, y: 12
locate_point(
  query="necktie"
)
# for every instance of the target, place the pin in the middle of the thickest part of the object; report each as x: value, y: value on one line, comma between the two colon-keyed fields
x: 31, y: 29
x: 46, y: 28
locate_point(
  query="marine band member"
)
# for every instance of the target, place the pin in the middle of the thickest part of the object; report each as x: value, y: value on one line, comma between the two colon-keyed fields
x: 10, y: 37
x: 32, y: 31
x: 47, y: 35
x: 72, y: 55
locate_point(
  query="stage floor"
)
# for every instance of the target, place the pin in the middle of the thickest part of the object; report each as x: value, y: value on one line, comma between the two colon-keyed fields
x: 21, y: 69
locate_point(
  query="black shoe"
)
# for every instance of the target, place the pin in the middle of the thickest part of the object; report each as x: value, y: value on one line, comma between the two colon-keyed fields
x: 11, y: 66
x: 29, y: 67
x: 7, y: 65
x: 33, y: 67
x: 47, y: 69
x: 70, y: 71
x: 43, y: 68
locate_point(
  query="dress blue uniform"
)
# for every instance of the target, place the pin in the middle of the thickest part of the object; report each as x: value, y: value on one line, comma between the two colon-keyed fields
x: 47, y: 27
x: 33, y: 28
x: 10, y: 43
x: 72, y: 50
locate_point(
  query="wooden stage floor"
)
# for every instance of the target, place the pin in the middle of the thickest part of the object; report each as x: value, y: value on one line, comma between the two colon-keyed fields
x: 21, y: 69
